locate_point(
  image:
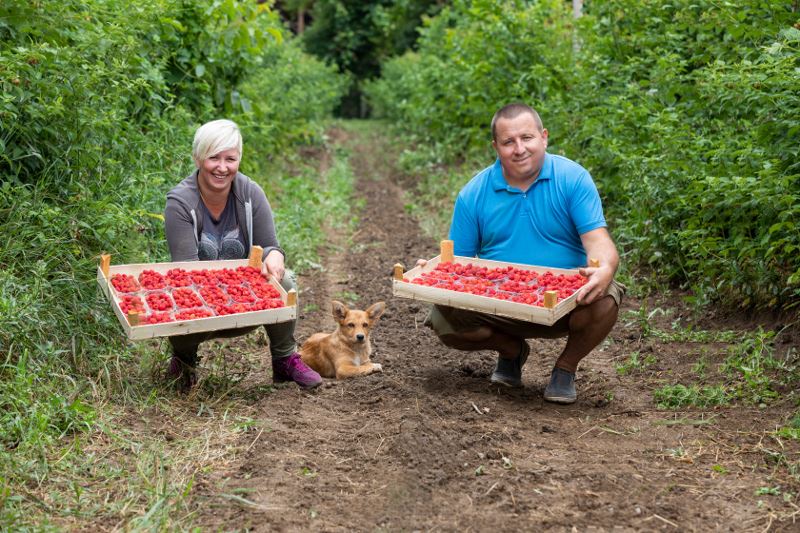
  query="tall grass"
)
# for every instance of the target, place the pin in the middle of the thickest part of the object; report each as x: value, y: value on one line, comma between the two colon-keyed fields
x: 100, y: 100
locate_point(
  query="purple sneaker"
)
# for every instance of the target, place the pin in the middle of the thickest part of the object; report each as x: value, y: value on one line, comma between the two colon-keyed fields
x: 182, y: 373
x: 293, y: 368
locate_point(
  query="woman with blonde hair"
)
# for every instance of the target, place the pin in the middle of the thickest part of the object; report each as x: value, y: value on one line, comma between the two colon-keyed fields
x: 219, y: 213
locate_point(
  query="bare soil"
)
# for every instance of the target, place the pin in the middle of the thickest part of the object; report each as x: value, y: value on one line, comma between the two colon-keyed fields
x: 430, y: 444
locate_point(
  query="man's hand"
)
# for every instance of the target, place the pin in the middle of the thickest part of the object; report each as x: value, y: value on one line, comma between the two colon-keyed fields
x: 273, y: 265
x: 422, y: 262
x: 601, y: 248
x: 599, y: 279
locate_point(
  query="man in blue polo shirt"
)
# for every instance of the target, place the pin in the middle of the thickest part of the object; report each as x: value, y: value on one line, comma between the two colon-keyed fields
x: 534, y: 208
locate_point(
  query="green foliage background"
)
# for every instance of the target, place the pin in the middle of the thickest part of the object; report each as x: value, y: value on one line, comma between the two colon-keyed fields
x: 686, y: 113
x: 357, y: 36
x: 100, y: 100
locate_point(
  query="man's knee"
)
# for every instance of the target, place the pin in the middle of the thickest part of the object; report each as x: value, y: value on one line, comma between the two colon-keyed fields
x: 599, y: 314
x: 606, y: 307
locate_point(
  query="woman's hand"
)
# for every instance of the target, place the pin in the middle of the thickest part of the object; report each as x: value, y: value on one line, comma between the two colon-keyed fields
x: 273, y: 265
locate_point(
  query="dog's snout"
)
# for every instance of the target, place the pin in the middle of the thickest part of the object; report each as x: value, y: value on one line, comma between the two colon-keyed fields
x: 360, y: 337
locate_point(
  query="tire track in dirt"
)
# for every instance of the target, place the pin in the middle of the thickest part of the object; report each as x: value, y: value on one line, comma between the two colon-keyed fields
x: 430, y: 444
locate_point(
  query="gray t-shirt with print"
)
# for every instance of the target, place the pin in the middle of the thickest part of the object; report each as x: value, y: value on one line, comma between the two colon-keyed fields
x: 221, y: 239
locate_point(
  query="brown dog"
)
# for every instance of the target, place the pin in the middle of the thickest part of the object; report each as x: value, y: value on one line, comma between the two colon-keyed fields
x: 345, y: 352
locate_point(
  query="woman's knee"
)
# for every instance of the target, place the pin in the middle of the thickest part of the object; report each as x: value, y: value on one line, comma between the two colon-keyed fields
x: 289, y: 280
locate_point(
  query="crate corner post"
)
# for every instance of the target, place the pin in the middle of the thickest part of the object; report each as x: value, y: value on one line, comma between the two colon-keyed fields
x: 105, y: 264
x: 291, y: 298
x: 550, y: 299
x: 446, y: 249
x: 398, y: 271
x: 256, y: 255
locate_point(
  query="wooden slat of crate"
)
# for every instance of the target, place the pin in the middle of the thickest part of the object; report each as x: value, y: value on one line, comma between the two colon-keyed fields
x: 484, y: 304
x: 238, y: 320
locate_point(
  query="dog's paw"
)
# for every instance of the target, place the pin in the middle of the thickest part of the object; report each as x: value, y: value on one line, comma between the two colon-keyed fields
x: 376, y: 367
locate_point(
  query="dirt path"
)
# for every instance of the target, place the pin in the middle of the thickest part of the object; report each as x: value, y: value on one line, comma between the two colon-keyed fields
x: 429, y: 444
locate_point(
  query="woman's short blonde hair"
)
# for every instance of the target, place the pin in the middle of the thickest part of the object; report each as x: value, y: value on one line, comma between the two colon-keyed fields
x: 214, y: 137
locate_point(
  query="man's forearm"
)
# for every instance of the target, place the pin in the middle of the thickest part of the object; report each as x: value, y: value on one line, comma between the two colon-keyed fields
x: 599, y: 245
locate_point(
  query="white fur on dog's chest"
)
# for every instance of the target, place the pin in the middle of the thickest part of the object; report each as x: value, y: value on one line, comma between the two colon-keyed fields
x: 357, y: 360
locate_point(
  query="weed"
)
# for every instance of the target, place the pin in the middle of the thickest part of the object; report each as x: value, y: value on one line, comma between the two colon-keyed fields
x: 643, y: 318
x: 719, y: 469
x: 677, y: 333
x: 792, y: 429
x: 749, y: 362
x: 701, y: 365
x: 688, y: 334
x: 309, y: 202
x: 349, y: 297
x: 677, y: 396
x: 635, y: 363
x: 750, y: 367
x: 677, y: 453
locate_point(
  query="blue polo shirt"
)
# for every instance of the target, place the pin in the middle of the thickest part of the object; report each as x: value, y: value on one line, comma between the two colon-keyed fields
x: 540, y: 226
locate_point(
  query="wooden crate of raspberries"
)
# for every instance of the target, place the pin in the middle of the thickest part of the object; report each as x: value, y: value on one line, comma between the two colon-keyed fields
x: 165, y: 299
x: 530, y: 293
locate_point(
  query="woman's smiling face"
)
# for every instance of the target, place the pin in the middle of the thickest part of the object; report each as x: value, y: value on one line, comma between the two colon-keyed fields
x: 217, y: 171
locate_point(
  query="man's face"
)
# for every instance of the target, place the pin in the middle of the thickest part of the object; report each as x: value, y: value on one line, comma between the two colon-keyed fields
x: 218, y: 170
x: 520, y: 146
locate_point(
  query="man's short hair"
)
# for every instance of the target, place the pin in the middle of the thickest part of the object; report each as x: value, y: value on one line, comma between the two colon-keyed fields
x: 513, y: 111
x: 215, y: 137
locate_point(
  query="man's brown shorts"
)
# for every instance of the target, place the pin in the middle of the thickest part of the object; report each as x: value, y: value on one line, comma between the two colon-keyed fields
x: 449, y: 320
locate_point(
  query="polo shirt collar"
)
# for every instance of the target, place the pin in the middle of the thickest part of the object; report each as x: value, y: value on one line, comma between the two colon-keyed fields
x: 499, y: 183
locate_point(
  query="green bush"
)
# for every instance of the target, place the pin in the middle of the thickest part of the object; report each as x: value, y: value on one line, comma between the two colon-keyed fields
x: 80, y: 81
x: 473, y: 58
x: 281, y: 110
x: 695, y: 143
x: 213, y: 46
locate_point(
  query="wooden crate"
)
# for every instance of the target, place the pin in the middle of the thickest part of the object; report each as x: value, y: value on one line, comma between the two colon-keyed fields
x: 168, y: 329
x: 554, y: 308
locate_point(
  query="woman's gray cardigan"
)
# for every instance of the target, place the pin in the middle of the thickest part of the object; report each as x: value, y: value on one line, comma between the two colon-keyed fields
x: 183, y: 220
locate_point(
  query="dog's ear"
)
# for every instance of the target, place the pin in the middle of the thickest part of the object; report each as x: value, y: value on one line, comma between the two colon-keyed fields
x: 339, y: 310
x: 375, y: 310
